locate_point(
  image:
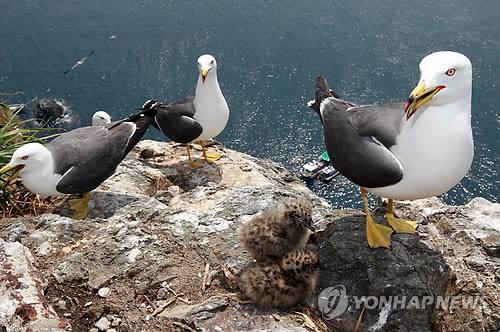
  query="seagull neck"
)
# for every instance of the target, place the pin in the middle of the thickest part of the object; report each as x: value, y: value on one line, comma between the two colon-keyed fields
x: 38, y: 176
x: 208, y: 88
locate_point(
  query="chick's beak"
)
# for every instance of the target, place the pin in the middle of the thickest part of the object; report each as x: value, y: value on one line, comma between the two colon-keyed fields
x: 420, y: 96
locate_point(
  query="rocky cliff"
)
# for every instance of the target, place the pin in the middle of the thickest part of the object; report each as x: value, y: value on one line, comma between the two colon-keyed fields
x: 159, y: 252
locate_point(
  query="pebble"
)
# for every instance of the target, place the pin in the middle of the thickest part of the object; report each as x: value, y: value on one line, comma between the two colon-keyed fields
x: 147, y: 153
x: 116, y: 321
x: 174, y: 190
x: 103, y: 324
x: 94, y: 330
x: 103, y: 292
x: 162, y: 294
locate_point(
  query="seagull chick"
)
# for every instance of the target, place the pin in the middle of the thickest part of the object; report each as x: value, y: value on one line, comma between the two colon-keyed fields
x: 271, y: 234
x: 286, y: 284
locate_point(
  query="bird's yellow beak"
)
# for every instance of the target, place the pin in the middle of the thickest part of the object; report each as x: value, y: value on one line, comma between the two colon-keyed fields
x: 419, y: 96
x: 204, y: 73
x: 9, y: 167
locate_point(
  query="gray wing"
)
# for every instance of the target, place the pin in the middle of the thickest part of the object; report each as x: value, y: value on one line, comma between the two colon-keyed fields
x: 361, y: 158
x: 176, y: 121
x: 87, y: 156
x: 380, y: 121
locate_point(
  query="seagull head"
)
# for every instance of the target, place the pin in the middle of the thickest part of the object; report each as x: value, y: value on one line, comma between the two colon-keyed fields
x: 101, y: 118
x: 29, y: 157
x: 206, y: 63
x: 444, y: 78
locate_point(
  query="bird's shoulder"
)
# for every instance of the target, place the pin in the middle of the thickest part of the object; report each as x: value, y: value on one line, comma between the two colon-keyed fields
x: 183, y: 107
x: 381, y: 121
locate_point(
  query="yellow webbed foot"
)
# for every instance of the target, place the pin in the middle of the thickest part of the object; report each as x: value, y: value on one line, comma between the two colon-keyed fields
x: 193, y: 165
x: 211, y: 157
x: 80, y: 206
x: 377, y: 235
x: 401, y: 225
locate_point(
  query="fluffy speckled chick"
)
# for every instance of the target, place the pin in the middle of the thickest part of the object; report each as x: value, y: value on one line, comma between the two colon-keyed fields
x: 286, y: 284
x: 271, y: 234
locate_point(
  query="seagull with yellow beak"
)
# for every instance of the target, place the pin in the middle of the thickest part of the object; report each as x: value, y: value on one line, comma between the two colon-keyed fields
x: 195, y: 119
x: 78, y: 161
x: 403, y: 151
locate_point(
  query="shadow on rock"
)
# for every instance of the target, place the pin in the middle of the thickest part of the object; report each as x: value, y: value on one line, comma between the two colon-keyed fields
x: 101, y: 205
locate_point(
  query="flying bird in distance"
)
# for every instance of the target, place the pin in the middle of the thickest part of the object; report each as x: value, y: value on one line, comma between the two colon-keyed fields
x: 80, y: 62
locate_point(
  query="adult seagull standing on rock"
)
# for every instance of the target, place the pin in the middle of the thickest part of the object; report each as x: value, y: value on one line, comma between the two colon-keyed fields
x: 78, y: 161
x: 404, y: 152
x: 195, y: 119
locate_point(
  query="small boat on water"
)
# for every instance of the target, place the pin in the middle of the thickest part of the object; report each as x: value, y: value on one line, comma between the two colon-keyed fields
x: 320, y: 169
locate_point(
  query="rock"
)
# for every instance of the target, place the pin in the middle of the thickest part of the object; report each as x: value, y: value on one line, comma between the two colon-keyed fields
x: 23, y: 306
x: 103, y: 324
x: 155, y: 224
x: 116, y: 321
x: 147, y: 153
x: 103, y: 292
x: 200, y: 311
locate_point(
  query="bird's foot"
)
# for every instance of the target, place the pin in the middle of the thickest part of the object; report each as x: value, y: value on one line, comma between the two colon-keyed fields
x: 80, y: 206
x: 193, y: 165
x: 401, y: 225
x: 377, y: 235
x: 211, y: 157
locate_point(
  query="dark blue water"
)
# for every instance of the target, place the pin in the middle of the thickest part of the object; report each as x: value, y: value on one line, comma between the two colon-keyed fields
x: 268, y: 53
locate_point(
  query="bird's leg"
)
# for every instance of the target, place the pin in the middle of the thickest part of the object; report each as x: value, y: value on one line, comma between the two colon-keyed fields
x: 377, y: 235
x: 191, y: 163
x: 210, y: 157
x: 399, y: 225
x: 80, y: 206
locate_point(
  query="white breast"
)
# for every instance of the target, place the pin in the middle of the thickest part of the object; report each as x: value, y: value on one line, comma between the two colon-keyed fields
x: 211, y: 108
x: 436, y: 149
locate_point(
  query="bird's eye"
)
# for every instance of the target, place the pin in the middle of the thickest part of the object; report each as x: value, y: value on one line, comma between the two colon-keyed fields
x: 212, y: 62
x: 451, y: 72
x: 25, y: 157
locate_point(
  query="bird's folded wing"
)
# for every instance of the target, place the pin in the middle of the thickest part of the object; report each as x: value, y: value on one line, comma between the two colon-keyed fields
x: 176, y: 121
x: 382, y: 122
x: 86, y: 157
x: 363, y: 159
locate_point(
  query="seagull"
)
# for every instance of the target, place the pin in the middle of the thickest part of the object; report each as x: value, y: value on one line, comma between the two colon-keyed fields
x: 80, y: 62
x: 101, y: 118
x: 403, y: 151
x: 195, y: 119
x: 78, y: 161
